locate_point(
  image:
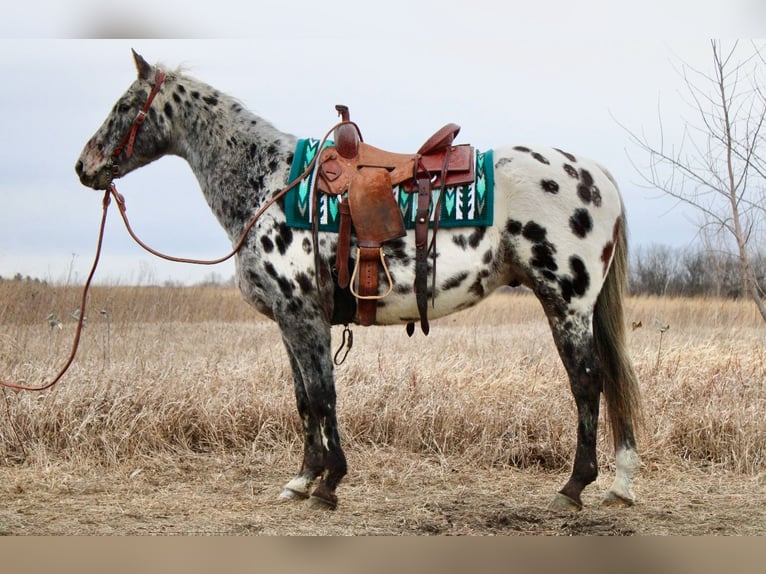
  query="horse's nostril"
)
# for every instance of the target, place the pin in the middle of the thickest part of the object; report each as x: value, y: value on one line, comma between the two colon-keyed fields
x: 78, y: 167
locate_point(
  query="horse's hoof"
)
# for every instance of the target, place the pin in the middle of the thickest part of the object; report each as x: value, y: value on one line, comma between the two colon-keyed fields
x: 615, y: 500
x: 289, y: 494
x: 323, y: 499
x: 316, y: 503
x: 562, y: 503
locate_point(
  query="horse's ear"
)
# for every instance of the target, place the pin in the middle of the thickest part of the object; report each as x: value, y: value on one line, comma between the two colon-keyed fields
x: 144, y: 69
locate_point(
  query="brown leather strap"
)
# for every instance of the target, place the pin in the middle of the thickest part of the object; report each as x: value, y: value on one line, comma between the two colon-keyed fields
x: 369, y: 260
x: 421, y: 251
x: 437, y: 220
x: 344, y: 242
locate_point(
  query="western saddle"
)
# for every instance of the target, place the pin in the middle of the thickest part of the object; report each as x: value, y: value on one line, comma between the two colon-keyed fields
x: 363, y: 177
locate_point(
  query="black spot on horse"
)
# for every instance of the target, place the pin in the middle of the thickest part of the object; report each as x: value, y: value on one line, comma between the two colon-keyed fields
x: 522, y: 148
x: 305, y: 283
x: 542, y: 256
x: 487, y: 257
x: 580, y: 276
x: 307, y: 246
x: 584, y: 193
x: 514, y: 227
x: 177, y: 99
x: 270, y: 269
x: 460, y: 241
x: 571, y: 172
x: 285, y: 237
x: 581, y: 223
x: 569, y: 156
x: 397, y: 250
x: 502, y: 161
x: 534, y: 232
x: 595, y: 196
x: 455, y: 281
x: 180, y: 89
x: 549, y: 185
x: 195, y: 95
x: 168, y: 109
x: 541, y: 158
x: 285, y: 285
x: 586, y: 177
x: 475, y: 238
x: 477, y: 288
x: 267, y: 244
x: 210, y: 100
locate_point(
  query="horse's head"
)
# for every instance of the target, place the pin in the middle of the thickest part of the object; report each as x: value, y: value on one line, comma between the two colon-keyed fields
x: 133, y: 134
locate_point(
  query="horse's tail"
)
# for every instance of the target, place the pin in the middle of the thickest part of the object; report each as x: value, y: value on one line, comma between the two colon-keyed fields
x: 621, y: 390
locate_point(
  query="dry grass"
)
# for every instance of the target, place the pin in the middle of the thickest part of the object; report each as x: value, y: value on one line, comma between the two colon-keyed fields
x: 169, y: 372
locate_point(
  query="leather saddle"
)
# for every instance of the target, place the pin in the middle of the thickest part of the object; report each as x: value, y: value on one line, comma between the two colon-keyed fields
x: 363, y: 177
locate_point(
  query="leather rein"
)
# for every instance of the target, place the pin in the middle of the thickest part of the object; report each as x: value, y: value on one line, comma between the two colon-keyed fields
x: 126, y: 145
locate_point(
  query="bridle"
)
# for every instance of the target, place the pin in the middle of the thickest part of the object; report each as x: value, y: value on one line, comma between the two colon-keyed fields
x: 129, y: 138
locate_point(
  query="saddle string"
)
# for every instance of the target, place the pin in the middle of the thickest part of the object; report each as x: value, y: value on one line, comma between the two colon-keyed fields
x: 346, y: 343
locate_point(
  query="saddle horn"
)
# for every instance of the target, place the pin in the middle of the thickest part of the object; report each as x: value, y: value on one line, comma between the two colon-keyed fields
x: 346, y: 135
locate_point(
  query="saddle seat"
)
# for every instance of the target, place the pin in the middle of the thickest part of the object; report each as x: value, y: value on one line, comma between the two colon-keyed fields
x: 364, y: 177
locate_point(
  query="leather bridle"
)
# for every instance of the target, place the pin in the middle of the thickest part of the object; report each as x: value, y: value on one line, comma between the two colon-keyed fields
x: 129, y: 138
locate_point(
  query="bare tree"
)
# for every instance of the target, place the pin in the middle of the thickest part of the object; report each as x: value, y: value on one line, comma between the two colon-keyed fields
x: 718, y: 166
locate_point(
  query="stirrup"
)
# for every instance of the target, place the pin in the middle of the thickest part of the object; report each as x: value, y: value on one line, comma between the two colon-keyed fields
x: 355, y: 274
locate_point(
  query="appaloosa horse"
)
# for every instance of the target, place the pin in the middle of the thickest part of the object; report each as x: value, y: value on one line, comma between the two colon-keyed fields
x: 559, y: 229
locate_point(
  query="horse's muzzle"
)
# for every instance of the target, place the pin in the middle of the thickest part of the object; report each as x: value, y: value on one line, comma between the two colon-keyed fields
x: 97, y: 180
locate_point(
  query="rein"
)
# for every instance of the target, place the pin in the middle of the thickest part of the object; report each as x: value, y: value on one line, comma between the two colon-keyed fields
x: 81, y: 316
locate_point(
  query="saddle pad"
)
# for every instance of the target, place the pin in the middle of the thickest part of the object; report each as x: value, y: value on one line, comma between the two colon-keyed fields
x: 462, y: 206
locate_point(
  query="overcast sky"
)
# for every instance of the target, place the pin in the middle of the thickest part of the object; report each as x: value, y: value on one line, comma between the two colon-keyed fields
x: 558, y: 75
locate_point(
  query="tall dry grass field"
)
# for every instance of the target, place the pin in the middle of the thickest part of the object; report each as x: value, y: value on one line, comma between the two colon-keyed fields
x: 164, y: 372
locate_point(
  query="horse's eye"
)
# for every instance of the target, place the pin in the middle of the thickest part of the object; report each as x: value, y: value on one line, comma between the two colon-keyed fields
x: 123, y: 108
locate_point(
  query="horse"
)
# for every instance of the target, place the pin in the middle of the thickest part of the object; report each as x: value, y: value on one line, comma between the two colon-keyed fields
x: 559, y: 229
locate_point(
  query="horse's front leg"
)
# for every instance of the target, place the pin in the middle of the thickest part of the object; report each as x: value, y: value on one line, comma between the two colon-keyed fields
x: 308, y: 346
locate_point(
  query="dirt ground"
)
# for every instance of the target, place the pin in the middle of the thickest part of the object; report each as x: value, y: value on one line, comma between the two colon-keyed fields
x: 237, y: 495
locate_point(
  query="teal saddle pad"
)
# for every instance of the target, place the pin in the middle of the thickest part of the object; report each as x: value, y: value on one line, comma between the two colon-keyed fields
x: 462, y: 206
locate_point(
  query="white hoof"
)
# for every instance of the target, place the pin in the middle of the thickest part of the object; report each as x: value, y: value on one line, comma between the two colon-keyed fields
x: 288, y: 494
x: 296, y: 489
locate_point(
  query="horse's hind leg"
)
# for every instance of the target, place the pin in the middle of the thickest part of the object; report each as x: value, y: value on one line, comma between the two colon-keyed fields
x: 574, y: 340
x: 308, y: 346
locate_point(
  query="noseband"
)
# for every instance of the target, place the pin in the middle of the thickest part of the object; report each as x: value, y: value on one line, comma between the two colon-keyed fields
x: 129, y: 139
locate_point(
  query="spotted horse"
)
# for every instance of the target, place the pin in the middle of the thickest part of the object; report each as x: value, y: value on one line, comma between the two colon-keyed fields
x: 559, y: 229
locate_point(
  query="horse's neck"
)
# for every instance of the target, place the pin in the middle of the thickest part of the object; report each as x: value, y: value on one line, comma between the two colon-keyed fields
x: 239, y: 159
